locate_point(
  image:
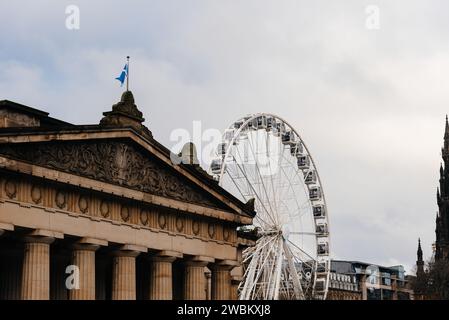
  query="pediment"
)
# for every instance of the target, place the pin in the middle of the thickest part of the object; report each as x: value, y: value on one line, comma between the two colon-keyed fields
x: 119, y: 162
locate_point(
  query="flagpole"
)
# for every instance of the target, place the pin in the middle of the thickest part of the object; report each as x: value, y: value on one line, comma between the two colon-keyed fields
x: 127, y: 75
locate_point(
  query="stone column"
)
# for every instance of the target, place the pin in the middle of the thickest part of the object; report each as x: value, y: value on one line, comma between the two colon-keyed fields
x: 124, y: 272
x: 221, y: 279
x: 194, y: 278
x: 83, y: 257
x: 36, y: 268
x: 161, y: 275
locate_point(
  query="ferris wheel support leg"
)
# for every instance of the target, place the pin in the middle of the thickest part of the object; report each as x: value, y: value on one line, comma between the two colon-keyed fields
x: 246, y: 291
x: 278, y: 271
x: 299, y: 294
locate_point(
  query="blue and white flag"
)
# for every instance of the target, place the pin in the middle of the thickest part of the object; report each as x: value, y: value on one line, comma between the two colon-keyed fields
x: 123, y: 75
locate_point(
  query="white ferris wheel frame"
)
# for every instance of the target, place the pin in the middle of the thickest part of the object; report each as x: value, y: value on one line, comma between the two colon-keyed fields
x: 245, y: 121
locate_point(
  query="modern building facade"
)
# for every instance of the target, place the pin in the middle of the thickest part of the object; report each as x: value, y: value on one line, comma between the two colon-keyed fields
x: 355, y: 280
x: 103, y: 212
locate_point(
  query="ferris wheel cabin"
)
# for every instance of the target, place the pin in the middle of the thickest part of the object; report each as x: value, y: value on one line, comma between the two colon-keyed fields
x: 215, y: 165
x: 303, y: 162
x: 315, y: 193
x: 319, y: 211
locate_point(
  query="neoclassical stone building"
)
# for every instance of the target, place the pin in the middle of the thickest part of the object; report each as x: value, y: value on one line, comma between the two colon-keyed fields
x: 109, y: 200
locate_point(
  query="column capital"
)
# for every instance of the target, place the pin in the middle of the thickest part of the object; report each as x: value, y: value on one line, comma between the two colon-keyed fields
x: 199, y: 261
x: 85, y: 246
x: 224, y: 265
x: 162, y: 259
x: 42, y: 236
x: 129, y: 250
x: 38, y: 239
x: 166, y: 256
x: 5, y: 227
x: 89, y: 244
x: 236, y: 279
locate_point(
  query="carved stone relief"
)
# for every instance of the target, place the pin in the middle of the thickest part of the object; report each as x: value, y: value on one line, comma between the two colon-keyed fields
x: 104, y: 209
x: 144, y: 217
x: 195, y: 227
x: 61, y: 199
x: 124, y: 213
x: 226, y: 234
x: 110, y: 161
x: 36, y: 194
x: 162, y: 220
x: 211, y: 230
x: 83, y: 204
x: 179, y: 224
x: 11, y: 189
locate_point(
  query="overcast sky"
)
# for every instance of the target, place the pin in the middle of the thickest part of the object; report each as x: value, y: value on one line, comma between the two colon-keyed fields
x: 370, y: 103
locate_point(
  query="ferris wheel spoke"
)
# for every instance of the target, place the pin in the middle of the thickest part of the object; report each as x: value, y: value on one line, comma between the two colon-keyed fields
x: 255, y: 193
x: 303, y: 233
x: 262, y: 182
x: 301, y: 212
x: 288, y: 179
x: 281, y: 149
x: 237, y: 162
x: 245, y: 173
x: 259, y: 265
x: 260, y: 245
x: 301, y: 250
x: 238, y: 188
x: 275, y: 200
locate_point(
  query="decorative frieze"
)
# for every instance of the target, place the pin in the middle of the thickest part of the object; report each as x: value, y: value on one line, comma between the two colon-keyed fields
x: 56, y: 197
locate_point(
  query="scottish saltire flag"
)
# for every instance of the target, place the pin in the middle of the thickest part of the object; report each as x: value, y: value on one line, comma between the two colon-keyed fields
x: 123, y: 75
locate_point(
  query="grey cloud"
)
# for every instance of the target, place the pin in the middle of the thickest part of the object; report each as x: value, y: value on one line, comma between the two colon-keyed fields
x: 370, y: 104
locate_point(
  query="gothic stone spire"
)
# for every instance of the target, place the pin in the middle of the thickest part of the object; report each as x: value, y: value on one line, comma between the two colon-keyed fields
x: 419, y: 261
x: 445, y: 150
x: 442, y: 221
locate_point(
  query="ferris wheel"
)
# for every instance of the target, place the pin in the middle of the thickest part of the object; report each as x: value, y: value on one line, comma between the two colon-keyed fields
x: 262, y: 157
